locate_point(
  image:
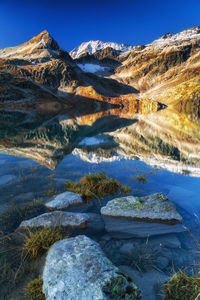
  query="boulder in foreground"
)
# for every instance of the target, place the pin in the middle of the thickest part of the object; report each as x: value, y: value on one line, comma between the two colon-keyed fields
x: 76, y: 268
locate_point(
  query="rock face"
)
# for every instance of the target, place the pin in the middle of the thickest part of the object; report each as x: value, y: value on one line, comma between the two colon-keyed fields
x: 65, y: 200
x: 47, y: 69
x: 76, y: 268
x: 57, y: 218
x: 145, y: 216
x: 166, y: 68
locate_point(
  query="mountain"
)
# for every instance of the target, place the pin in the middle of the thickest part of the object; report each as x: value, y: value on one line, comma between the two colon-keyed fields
x: 175, y: 38
x: 41, y: 48
x: 166, y: 70
x: 40, y: 64
x: 93, y: 46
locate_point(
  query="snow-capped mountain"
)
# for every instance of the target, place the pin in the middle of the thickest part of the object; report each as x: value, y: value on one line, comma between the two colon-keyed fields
x: 92, y: 46
x: 176, y: 38
x: 163, y: 70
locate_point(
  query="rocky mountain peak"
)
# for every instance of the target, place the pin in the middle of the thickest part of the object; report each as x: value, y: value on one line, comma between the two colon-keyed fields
x: 39, y: 47
x: 46, y: 40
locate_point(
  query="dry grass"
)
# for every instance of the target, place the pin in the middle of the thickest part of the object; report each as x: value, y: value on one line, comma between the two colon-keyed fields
x: 14, y: 264
x: 182, y: 287
x: 34, y: 290
x: 141, y: 178
x: 143, y: 258
x: 97, y: 186
x: 38, y: 242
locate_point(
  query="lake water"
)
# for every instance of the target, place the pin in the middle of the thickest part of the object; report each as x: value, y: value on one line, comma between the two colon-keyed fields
x: 41, y: 150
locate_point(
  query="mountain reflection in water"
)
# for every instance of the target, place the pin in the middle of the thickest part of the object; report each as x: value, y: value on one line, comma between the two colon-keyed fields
x: 168, y: 138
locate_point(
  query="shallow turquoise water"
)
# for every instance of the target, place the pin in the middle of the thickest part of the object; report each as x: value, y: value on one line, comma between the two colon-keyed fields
x: 183, y: 190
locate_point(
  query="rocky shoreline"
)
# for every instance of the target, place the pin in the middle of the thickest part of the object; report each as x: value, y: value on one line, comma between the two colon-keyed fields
x: 79, y: 267
x: 114, y: 247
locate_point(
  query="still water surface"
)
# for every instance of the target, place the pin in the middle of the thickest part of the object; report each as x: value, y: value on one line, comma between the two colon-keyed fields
x: 42, y: 150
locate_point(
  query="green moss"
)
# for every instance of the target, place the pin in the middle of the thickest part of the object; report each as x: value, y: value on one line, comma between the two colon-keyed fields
x: 38, y: 242
x: 34, y: 290
x: 121, y: 288
x: 139, y: 205
x: 96, y: 186
x: 182, y: 287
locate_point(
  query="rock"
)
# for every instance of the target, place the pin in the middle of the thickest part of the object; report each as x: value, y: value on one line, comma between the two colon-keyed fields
x: 156, y: 208
x: 65, y: 200
x: 150, y: 283
x: 58, y: 218
x: 141, y: 217
x: 77, y: 269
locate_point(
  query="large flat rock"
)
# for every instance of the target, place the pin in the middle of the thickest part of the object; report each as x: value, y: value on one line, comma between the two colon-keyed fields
x: 58, y: 218
x: 65, y: 200
x: 77, y: 269
x: 144, y: 216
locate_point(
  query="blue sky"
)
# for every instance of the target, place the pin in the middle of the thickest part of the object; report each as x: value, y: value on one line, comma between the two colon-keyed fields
x: 72, y: 22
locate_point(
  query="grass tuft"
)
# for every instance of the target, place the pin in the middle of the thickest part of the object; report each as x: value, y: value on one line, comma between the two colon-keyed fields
x: 34, y: 290
x: 182, y: 287
x: 97, y: 186
x: 14, y: 265
x: 143, y: 258
x: 38, y: 242
x: 141, y: 178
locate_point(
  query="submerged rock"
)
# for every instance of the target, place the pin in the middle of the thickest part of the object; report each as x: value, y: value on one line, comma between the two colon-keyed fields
x: 145, y: 216
x: 58, y: 218
x: 76, y: 268
x: 65, y: 200
x: 150, y: 283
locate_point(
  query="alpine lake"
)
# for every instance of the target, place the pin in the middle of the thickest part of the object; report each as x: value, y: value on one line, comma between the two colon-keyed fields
x: 151, y: 151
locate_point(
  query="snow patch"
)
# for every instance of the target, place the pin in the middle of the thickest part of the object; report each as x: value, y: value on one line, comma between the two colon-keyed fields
x: 92, y: 46
x: 42, y: 42
x: 92, y: 68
